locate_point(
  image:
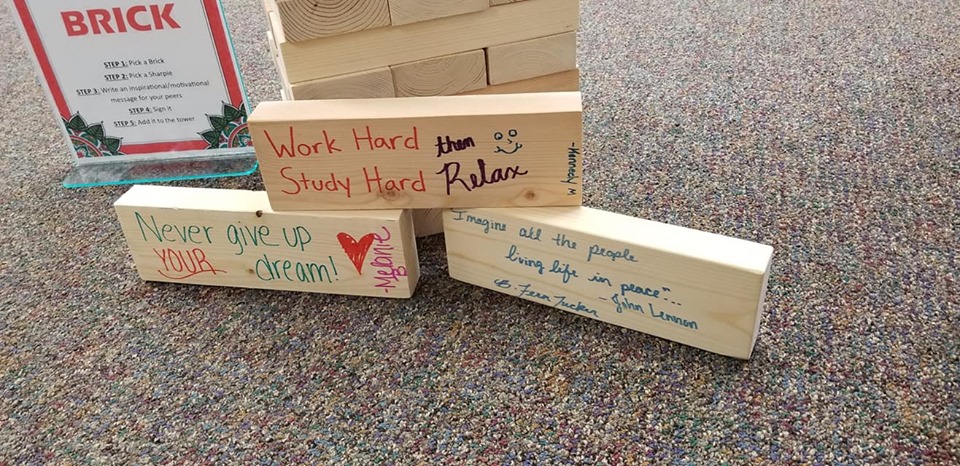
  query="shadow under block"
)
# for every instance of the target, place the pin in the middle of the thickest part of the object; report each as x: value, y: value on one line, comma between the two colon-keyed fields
x: 531, y: 58
x: 412, y: 11
x: 452, y: 74
x: 375, y: 48
x: 310, y: 19
x: 226, y: 237
x: 696, y: 288
x: 514, y: 150
x: 427, y: 222
x: 370, y: 84
x: 557, y: 82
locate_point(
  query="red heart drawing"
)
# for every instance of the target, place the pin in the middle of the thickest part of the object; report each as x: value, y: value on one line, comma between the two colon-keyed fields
x: 356, y: 250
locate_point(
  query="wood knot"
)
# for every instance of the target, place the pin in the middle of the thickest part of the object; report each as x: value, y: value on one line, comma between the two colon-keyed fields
x: 529, y: 195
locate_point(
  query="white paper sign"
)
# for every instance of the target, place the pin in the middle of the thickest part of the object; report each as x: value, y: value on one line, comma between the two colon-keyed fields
x: 130, y: 78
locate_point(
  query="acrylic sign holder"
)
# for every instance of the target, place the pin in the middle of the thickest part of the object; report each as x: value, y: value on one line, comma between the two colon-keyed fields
x: 133, y: 107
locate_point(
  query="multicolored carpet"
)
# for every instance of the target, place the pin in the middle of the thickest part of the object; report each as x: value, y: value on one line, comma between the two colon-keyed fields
x: 830, y: 130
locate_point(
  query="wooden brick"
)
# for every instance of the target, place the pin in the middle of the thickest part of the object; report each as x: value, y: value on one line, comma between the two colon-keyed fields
x: 233, y: 238
x: 376, y: 48
x: 449, y: 75
x: 557, y: 82
x: 365, y: 84
x: 273, y: 20
x: 270, y: 6
x: 286, y: 92
x: 420, y: 152
x: 368, y: 84
x: 696, y: 288
x: 532, y: 58
x: 274, y: 52
x: 309, y: 19
x: 411, y: 11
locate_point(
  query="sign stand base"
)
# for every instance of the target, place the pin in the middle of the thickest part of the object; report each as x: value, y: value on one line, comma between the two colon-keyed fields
x: 132, y: 171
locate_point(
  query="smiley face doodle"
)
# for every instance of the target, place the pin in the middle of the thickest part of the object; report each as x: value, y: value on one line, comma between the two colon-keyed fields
x: 509, y: 137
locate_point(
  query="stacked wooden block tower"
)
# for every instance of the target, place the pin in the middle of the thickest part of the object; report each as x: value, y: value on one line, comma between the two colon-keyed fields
x: 345, y: 49
x: 345, y: 173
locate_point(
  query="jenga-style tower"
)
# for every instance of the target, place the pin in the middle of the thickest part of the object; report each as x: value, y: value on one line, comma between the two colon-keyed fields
x: 344, y: 49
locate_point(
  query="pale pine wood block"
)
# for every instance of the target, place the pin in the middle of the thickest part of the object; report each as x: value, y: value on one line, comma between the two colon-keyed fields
x: 367, y: 84
x: 412, y: 11
x: 420, y: 152
x: 531, y: 58
x: 286, y: 93
x: 274, y: 51
x: 233, y: 238
x: 427, y: 222
x: 310, y: 19
x: 276, y: 30
x: 452, y: 74
x: 274, y: 34
x: 557, y: 82
x: 375, y: 48
x: 697, y: 288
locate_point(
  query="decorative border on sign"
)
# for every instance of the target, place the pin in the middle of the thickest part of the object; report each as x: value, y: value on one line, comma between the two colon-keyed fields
x: 228, y: 130
x: 91, y: 140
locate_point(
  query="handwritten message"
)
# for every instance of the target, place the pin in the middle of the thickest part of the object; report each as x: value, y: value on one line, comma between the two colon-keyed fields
x: 426, y: 162
x: 535, y: 261
x: 456, y: 175
x: 279, y: 255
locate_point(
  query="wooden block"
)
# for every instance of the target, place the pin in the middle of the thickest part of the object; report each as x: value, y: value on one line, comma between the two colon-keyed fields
x: 532, y: 58
x: 448, y: 75
x: 696, y: 288
x: 411, y: 11
x: 375, y: 48
x: 557, y: 82
x: 365, y: 84
x: 368, y: 84
x: 286, y: 93
x: 274, y: 52
x: 311, y: 19
x: 276, y: 30
x: 421, y: 152
x: 233, y: 238
x: 427, y: 222
x: 284, y: 84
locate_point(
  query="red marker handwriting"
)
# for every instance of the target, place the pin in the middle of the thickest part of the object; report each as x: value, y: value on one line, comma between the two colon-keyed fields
x: 356, y: 250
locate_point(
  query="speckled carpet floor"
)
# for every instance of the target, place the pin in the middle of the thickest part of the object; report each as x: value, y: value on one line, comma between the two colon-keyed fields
x: 830, y: 130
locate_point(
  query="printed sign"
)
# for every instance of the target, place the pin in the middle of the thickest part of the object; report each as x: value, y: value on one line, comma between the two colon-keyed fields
x: 232, y: 238
x: 427, y: 152
x: 127, y: 78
